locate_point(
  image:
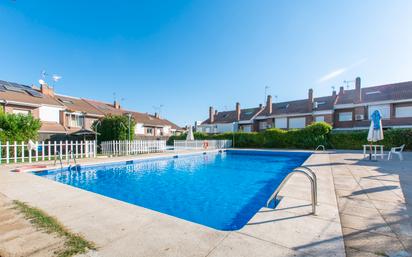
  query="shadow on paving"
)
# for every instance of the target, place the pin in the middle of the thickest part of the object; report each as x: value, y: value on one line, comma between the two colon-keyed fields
x: 375, y: 208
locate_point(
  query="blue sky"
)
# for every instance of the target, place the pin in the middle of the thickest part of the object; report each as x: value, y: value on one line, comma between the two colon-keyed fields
x: 187, y: 55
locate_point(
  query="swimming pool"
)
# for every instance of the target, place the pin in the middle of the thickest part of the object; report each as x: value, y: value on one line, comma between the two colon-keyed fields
x: 220, y: 190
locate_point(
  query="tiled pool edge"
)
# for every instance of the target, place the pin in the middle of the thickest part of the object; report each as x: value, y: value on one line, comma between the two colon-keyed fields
x: 83, y: 212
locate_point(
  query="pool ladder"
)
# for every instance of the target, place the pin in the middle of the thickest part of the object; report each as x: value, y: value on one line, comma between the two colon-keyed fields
x: 70, y: 156
x: 313, y: 183
x: 57, y: 155
x: 320, y: 146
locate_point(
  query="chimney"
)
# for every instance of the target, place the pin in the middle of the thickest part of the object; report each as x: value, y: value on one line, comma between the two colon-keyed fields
x: 310, y: 99
x: 211, y: 115
x: 358, y: 92
x: 269, y: 104
x: 157, y: 115
x: 334, y: 93
x: 341, y: 91
x: 238, y: 111
x: 116, y: 105
x: 260, y: 106
x: 46, y: 90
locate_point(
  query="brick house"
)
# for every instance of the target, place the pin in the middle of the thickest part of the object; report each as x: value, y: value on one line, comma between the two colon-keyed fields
x: 296, y: 114
x: 347, y: 110
x: 63, y: 115
x: 354, y: 107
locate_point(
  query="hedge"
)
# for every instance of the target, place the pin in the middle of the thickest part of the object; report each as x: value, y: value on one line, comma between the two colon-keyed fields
x: 355, y: 139
x: 310, y: 137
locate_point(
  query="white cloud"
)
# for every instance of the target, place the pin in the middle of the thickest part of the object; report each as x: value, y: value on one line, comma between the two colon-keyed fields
x: 340, y: 71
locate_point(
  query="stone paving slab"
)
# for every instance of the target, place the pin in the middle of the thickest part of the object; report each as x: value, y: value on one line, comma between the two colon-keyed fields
x: 122, y: 229
x: 374, y: 204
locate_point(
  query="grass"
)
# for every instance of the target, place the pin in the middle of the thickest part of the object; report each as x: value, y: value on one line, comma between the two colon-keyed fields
x: 74, y: 244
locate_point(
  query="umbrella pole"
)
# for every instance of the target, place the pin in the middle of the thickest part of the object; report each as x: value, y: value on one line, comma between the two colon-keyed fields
x: 370, y: 151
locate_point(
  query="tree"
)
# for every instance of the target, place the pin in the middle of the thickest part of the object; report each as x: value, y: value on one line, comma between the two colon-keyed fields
x: 18, y: 127
x: 114, y: 127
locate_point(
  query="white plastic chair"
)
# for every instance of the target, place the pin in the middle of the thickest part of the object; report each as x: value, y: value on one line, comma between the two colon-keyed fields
x: 396, y: 150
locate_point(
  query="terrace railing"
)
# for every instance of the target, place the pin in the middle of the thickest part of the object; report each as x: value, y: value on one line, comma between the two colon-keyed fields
x: 22, y: 152
x: 202, y: 144
x: 126, y: 147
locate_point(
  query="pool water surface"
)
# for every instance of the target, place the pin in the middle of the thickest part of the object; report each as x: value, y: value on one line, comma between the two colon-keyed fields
x: 220, y: 190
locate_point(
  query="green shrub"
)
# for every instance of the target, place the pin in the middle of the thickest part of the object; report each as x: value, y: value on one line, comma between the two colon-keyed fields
x: 18, y: 127
x: 319, y: 133
x: 355, y: 139
x: 114, y: 127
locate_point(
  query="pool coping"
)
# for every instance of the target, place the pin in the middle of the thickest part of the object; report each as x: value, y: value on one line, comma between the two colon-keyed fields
x: 139, y: 230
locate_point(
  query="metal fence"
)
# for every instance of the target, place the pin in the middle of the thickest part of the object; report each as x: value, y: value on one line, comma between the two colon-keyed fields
x: 133, y: 147
x: 21, y: 152
x: 202, y: 144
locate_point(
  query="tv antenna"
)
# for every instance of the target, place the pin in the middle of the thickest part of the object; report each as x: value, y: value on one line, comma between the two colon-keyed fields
x: 266, y: 92
x: 158, y: 108
x: 347, y: 82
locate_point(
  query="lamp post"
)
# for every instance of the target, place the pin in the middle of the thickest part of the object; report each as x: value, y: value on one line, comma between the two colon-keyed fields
x: 129, y: 115
x: 233, y: 134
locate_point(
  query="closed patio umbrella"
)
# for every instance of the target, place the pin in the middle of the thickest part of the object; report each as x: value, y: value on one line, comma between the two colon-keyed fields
x: 375, y: 130
x: 190, y: 135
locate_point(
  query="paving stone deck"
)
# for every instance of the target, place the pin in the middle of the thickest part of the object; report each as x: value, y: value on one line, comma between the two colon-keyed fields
x: 374, y: 204
x: 122, y: 229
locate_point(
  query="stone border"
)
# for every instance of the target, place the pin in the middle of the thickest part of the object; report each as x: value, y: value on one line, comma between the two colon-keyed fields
x: 122, y: 229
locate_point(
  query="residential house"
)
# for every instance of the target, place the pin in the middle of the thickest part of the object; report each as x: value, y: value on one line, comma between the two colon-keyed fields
x: 347, y: 110
x: 152, y: 126
x: 296, y: 114
x: 228, y: 121
x: 22, y: 99
x: 64, y: 115
x: 354, y: 107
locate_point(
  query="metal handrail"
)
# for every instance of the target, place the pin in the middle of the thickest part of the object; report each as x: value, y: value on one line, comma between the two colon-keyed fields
x: 315, y: 180
x: 57, y: 154
x: 312, y: 178
x: 320, y: 146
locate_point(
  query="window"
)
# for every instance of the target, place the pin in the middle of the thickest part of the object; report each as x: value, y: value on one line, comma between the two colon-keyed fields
x: 246, y: 128
x: 345, y: 116
x: 281, y: 123
x: 403, y: 112
x: 297, y: 122
x: 319, y: 118
x: 149, y: 131
x: 263, y: 125
x: 24, y: 112
x: 75, y: 120
x: 384, y: 109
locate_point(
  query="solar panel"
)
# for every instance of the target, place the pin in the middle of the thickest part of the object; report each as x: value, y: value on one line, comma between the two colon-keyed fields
x: 19, y: 85
x: 13, y: 88
x: 2, y: 88
x: 34, y: 93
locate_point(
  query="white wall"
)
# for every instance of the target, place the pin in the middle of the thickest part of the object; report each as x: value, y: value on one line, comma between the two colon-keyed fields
x: 281, y: 123
x: 166, y: 130
x: 297, y: 122
x: 403, y: 112
x: 139, y: 129
x: 217, y: 128
x: 225, y: 127
x: 47, y: 113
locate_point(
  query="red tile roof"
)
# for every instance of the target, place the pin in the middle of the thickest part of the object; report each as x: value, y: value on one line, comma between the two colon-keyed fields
x: 230, y: 116
x: 396, y: 91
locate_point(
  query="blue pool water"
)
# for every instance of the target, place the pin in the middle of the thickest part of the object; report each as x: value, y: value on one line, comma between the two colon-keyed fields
x: 219, y: 190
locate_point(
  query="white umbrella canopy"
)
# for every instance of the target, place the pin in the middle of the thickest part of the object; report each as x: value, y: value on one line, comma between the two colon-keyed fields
x: 190, y: 135
x: 375, y: 130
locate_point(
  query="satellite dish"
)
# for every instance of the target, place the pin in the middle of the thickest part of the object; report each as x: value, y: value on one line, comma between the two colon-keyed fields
x: 56, y: 77
x: 42, y: 82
